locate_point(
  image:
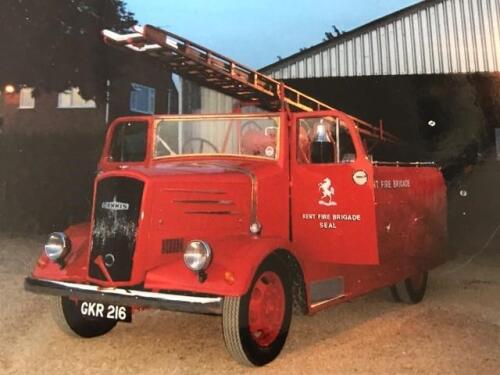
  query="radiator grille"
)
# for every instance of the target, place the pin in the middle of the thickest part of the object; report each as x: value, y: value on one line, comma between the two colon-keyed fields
x: 172, y: 245
x: 116, y: 218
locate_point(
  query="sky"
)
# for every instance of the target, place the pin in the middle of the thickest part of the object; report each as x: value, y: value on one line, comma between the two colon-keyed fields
x: 255, y: 32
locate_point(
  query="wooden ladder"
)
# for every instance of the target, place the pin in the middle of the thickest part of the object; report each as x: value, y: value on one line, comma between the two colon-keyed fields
x: 220, y: 73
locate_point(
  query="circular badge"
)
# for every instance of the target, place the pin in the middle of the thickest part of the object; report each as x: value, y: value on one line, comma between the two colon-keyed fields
x: 360, y: 177
x: 269, y: 151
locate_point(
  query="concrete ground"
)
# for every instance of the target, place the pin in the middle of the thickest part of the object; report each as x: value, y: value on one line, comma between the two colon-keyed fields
x: 455, y: 330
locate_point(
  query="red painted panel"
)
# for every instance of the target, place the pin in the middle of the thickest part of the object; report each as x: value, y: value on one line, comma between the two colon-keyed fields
x: 411, y: 212
x: 333, y: 216
x: 372, y: 230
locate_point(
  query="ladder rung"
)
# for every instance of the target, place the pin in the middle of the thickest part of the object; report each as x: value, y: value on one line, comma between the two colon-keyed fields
x: 216, y: 71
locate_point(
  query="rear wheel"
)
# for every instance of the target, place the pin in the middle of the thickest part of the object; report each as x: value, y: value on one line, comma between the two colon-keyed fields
x: 255, y: 326
x: 410, y: 290
x: 68, y: 317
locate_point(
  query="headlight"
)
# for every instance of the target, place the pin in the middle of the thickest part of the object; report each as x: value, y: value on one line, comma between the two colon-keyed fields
x: 197, y: 255
x: 57, y: 246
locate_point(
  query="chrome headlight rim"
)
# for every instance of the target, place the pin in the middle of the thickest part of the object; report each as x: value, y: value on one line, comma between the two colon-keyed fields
x: 57, y: 246
x: 189, y: 255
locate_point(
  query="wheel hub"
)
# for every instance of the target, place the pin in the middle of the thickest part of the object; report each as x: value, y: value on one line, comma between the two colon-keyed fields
x: 266, y: 308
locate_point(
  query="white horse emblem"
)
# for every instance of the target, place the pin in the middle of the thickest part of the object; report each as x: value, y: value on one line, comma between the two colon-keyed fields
x: 327, y: 192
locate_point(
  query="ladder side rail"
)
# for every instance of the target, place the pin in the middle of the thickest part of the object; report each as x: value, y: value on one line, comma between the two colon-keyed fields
x: 377, y: 131
x: 149, y: 39
x: 314, y: 104
x: 155, y: 40
x: 177, y: 43
x: 376, y: 135
x: 149, y: 30
x: 229, y: 66
x: 207, y: 61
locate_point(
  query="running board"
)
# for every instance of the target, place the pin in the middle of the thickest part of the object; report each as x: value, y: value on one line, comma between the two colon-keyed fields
x: 325, y: 291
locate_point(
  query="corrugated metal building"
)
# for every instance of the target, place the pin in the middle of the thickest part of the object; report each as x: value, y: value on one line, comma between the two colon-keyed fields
x: 437, y: 62
x: 432, y: 73
x: 431, y: 37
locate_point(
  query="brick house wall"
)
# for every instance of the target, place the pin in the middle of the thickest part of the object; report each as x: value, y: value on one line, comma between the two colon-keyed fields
x: 48, y: 155
x: 46, y: 117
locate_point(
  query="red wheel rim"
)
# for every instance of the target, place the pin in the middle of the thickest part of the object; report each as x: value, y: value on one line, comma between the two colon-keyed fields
x: 266, y: 309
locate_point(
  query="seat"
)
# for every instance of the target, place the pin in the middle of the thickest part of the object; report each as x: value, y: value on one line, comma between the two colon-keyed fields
x: 304, y: 147
x: 257, y: 143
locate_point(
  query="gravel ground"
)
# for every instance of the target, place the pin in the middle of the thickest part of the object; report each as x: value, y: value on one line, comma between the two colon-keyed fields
x: 455, y: 330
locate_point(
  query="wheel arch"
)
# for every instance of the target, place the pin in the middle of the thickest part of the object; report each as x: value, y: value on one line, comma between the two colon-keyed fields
x: 296, y: 276
x: 243, y: 341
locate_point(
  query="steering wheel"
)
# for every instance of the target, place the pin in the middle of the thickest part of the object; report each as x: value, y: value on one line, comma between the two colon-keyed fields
x: 248, y: 124
x: 201, y: 141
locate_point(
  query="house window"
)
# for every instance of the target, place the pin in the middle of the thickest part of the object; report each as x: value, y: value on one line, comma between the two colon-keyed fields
x: 142, y: 99
x: 26, y: 99
x: 71, y: 99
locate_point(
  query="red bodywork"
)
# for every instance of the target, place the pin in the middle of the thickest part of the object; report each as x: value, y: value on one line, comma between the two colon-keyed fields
x: 375, y: 233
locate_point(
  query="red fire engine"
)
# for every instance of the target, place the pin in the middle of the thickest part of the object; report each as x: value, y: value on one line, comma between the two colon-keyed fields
x: 246, y: 215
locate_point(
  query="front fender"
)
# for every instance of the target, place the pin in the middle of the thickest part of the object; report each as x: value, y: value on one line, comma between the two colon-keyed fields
x: 76, y: 261
x: 235, y: 260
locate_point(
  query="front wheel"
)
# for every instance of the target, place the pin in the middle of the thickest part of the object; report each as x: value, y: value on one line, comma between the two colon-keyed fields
x: 255, y: 326
x: 410, y: 290
x: 68, y: 317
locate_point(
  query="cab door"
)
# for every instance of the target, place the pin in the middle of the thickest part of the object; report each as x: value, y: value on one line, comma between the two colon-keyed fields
x: 332, y: 196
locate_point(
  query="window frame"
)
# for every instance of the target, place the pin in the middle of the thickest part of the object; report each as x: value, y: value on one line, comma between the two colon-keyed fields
x: 137, y: 88
x: 338, y: 124
x: 228, y: 117
x: 22, y: 94
x: 118, y: 135
x: 73, y: 92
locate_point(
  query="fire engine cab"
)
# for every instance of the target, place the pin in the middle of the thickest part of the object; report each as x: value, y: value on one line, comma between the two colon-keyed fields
x: 248, y: 215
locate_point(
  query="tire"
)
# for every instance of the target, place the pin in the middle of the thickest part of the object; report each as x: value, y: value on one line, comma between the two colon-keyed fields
x: 255, y: 326
x: 410, y: 290
x: 66, y: 314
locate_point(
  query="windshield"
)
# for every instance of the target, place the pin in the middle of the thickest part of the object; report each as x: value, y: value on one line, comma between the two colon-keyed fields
x: 257, y: 137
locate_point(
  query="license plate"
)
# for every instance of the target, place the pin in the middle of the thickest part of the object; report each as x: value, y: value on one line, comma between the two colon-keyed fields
x: 104, y: 311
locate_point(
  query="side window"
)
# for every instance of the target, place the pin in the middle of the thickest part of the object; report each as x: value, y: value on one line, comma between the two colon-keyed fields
x: 324, y: 140
x: 129, y: 142
x: 142, y: 99
x: 72, y: 99
x: 26, y: 99
x: 347, y: 152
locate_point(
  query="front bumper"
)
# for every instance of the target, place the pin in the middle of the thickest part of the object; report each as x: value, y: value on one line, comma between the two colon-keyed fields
x: 127, y: 297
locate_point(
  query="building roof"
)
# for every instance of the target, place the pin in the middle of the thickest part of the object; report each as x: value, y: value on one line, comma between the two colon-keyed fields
x: 430, y: 37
